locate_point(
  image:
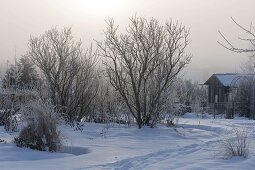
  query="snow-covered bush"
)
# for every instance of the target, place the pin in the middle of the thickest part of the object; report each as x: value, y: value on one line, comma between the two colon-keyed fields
x: 236, y: 145
x: 3, y: 141
x: 170, y: 119
x: 181, y: 109
x: 41, y: 132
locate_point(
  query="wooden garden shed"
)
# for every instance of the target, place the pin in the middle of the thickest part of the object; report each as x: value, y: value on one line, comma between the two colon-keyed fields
x: 220, y: 91
x: 219, y: 87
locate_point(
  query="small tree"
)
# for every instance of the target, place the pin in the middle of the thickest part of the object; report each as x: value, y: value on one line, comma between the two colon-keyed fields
x: 142, y: 63
x: 12, y: 77
x: 29, y: 77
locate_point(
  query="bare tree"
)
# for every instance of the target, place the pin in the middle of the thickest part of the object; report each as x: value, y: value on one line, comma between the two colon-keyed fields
x: 56, y: 54
x: 84, y: 89
x: 68, y: 70
x: 143, y: 62
x: 250, y: 32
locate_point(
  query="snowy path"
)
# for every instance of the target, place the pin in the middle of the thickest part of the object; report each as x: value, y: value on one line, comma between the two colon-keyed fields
x: 151, y: 160
x: 172, y: 158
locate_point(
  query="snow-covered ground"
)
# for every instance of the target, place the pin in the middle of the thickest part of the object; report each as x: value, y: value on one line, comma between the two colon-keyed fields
x: 194, y: 144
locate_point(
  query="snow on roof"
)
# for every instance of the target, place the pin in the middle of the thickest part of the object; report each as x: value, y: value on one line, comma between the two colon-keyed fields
x: 230, y: 79
x: 227, y: 79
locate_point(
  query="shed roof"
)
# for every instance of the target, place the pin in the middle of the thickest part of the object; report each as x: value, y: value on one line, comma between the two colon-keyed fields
x: 227, y: 79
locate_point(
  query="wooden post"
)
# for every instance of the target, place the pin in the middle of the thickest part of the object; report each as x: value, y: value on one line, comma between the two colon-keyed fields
x: 214, y: 110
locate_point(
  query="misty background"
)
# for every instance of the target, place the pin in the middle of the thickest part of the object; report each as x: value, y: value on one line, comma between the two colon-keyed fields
x: 21, y: 19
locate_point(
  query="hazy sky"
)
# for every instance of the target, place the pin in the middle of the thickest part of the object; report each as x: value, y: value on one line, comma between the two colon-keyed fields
x: 21, y: 18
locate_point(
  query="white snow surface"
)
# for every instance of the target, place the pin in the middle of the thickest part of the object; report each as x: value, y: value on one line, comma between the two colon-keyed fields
x: 194, y: 144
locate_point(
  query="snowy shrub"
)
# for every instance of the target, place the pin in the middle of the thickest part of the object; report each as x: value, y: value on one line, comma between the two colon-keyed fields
x: 236, y: 145
x: 41, y: 131
x: 3, y: 141
x: 182, y: 109
x: 171, y: 120
x: 170, y: 123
